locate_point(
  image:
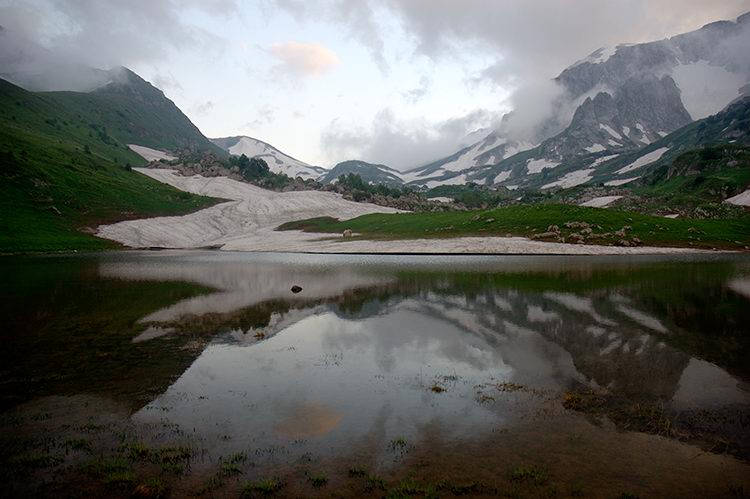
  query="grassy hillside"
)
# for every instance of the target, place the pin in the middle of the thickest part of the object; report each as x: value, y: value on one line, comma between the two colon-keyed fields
x: 63, y: 173
x: 526, y: 220
x: 133, y: 111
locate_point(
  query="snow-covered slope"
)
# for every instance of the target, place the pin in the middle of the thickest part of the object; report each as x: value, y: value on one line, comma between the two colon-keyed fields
x: 277, y: 161
x: 368, y: 172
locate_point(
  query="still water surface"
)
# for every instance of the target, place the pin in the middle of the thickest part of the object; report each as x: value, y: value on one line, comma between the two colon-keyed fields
x: 427, y: 367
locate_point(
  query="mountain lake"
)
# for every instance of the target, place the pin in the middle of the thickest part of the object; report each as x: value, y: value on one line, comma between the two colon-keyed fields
x: 200, y: 373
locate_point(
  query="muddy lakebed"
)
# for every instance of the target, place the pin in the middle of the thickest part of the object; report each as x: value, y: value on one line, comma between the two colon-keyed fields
x: 192, y: 373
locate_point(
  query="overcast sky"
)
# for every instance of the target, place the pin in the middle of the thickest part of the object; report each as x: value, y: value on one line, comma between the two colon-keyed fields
x: 399, y: 82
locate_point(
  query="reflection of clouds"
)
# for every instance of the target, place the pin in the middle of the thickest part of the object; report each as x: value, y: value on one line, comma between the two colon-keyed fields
x: 703, y: 384
x: 308, y: 419
x: 238, y: 285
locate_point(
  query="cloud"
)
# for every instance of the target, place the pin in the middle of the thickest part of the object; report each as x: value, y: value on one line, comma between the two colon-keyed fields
x: 527, y: 38
x: 203, y: 108
x: 401, y: 144
x: 304, y: 59
x: 106, y: 34
x: 166, y: 81
x: 359, y: 19
x: 264, y: 115
x: 418, y: 93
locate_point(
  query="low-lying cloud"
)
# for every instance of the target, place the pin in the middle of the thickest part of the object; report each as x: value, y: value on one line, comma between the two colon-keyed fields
x: 401, y: 144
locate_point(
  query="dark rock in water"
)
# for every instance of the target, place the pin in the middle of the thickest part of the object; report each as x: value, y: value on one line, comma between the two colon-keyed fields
x: 296, y: 289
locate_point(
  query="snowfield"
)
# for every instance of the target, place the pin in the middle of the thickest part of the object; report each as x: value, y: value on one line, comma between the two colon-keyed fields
x: 247, y: 222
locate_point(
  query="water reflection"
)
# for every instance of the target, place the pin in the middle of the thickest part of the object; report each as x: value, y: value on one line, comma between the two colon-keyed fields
x: 368, y: 346
x: 379, y: 348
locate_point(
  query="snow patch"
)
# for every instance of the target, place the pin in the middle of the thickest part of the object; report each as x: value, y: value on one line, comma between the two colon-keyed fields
x: 742, y: 199
x: 595, y: 148
x: 502, y: 176
x: 461, y: 179
x: 571, y: 179
x: 613, y: 143
x: 537, y: 165
x: 601, y: 160
x: 644, y: 160
x: 601, y: 201
x: 599, y: 56
x: 150, y: 154
x: 610, y: 131
x: 623, y: 181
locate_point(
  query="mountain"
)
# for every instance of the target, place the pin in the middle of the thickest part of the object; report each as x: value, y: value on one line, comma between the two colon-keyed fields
x: 622, y: 98
x: 66, y: 169
x: 277, y: 161
x: 134, y: 111
x: 369, y: 172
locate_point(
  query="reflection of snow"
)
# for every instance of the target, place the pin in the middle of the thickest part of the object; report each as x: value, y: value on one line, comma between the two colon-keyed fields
x: 578, y: 304
x: 643, y: 319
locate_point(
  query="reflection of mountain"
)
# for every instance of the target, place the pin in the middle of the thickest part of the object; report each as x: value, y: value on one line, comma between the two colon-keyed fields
x: 530, y: 319
x: 551, y: 322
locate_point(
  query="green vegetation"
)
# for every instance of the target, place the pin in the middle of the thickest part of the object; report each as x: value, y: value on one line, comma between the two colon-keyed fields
x: 699, y: 179
x: 264, y: 488
x: 362, y: 191
x: 531, y: 475
x: 64, y: 172
x: 471, y: 195
x: 526, y: 220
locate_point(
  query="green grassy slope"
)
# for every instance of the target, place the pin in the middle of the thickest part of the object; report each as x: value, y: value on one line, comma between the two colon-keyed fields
x: 61, y: 172
x: 525, y: 220
x: 133, y: 111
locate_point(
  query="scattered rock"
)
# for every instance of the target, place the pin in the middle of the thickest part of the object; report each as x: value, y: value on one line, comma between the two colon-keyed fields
x: 636, y: 241
x: 544, y: 235
x: 587, y: 231
x: 576, y: 238
x: 624, y: 242
x: 577, y: 225
x: 54, y: 208
x: 476, y: 218
x: 553, y: 228
x: 620, y: 233
x: 296, y: 289
x: 489, y: 220
x: 347, y: 233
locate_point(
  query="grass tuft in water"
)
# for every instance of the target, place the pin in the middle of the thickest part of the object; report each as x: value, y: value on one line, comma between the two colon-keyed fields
x: 264, y: 488
x: 530, y: 474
